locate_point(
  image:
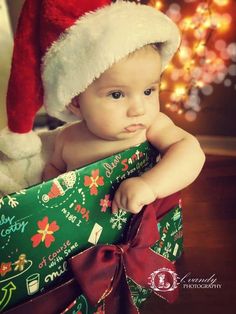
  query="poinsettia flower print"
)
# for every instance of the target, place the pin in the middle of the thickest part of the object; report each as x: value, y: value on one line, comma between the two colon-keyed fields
x: 93, y: 182
x: 105, y: 203
x: 45, y: 232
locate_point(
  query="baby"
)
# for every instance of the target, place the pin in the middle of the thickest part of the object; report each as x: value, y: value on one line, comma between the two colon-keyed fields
x: 97, y: 65
x: 121, y: 109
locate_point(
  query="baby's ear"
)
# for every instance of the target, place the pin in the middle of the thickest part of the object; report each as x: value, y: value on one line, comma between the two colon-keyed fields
x: 75, y: 108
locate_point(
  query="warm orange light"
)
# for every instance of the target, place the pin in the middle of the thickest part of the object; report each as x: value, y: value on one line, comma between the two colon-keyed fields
x: 221, y: 2
x: 189, y: 64
x: 207, y: 23
x: 216, y: 20
x: 187, y: 23
x: 173, y: 107
x: 169, y: 67
x: 202, y: 8
x: 200, y: 33
x: 200, y: 47
x: 225, y: 22
x: 199, y: 84
x: 180, y: 90
x: 184, y: 53
x: 208, y: 61
x: 179, y: 93
x: 221, y: 22
x: 158, y: 5
x: 163, y: 85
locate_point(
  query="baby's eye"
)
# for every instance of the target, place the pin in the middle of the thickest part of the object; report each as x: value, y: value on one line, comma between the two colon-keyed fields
x: 148, y: 91
x: 116, y: 95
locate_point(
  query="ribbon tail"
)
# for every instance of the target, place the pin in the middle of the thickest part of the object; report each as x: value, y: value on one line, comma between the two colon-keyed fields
x: 120, y: 299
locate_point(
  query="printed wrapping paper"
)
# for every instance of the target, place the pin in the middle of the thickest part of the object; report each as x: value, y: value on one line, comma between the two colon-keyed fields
x: 170, y: 245
x: 42, y: 226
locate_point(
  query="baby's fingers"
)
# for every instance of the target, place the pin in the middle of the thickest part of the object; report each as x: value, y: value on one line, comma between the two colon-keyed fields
x: 119, y: 202
x: 134, y: 207
x: 114, y: 207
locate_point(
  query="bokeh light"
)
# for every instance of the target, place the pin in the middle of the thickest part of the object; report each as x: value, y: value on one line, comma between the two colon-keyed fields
x: 232, y: 70
x: 205, y: 58
x: 221, y: 2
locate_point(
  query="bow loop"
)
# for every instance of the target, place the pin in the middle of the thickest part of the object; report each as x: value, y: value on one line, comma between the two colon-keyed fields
x: 96, y: 267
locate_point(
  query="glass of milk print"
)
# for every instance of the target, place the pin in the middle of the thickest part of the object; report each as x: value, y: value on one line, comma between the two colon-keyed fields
x: 32, y: 284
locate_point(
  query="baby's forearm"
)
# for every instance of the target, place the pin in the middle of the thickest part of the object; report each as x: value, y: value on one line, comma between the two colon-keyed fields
x: 50, y: 172
x: 178, y: 168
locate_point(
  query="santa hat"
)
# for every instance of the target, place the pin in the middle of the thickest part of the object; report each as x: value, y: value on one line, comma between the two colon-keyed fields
x: 61, y: 47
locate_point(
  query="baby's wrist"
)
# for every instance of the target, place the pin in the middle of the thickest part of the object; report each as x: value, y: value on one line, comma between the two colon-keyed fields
x: 149, y: 185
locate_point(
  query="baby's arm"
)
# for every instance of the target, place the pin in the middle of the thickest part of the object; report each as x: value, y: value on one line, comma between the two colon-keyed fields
x: 181, y: 163
x: 56, y: 164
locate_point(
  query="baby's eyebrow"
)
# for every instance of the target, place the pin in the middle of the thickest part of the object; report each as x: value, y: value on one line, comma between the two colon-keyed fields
x: 156, y: 82
x: 111, y: 87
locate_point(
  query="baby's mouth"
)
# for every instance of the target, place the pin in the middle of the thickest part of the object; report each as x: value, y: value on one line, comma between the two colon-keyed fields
x: 134, y: 127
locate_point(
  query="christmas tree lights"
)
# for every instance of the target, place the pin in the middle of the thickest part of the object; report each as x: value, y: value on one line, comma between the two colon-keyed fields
x: 205, y: 57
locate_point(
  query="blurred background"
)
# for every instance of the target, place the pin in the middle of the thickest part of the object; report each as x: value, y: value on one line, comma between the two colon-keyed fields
x: 198, y: 88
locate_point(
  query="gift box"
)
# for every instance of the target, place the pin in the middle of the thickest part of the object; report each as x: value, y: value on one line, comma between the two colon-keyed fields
x: 45, y: 226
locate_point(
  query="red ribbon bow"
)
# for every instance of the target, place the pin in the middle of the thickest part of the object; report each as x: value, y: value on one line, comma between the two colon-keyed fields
x: 102, y: 270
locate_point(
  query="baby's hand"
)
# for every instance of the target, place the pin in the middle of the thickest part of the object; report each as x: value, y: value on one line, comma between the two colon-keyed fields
x: 132, y: 195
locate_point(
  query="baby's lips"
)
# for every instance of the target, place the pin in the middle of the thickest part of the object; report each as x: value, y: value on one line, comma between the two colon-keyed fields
x: 134, y: 127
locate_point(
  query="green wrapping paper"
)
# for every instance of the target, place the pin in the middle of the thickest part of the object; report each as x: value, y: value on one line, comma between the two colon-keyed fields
x: 44, y: 225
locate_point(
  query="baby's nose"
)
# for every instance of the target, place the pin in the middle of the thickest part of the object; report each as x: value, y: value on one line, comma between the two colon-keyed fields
x: 136, y: 108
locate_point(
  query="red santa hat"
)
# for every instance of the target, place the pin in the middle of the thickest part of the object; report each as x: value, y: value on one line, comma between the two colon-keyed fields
x: 61, y: 47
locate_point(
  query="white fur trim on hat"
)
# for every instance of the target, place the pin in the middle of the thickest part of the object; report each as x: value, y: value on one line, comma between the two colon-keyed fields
x: 17, y: 145
x: 94, y: 43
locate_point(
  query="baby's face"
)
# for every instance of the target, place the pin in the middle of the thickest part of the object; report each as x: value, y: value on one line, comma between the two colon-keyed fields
x: 124, y: 100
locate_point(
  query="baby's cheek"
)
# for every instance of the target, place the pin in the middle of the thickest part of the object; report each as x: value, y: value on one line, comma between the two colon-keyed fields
x: 102, y: 125
x: 150, y: 118
x: 154, y: 112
